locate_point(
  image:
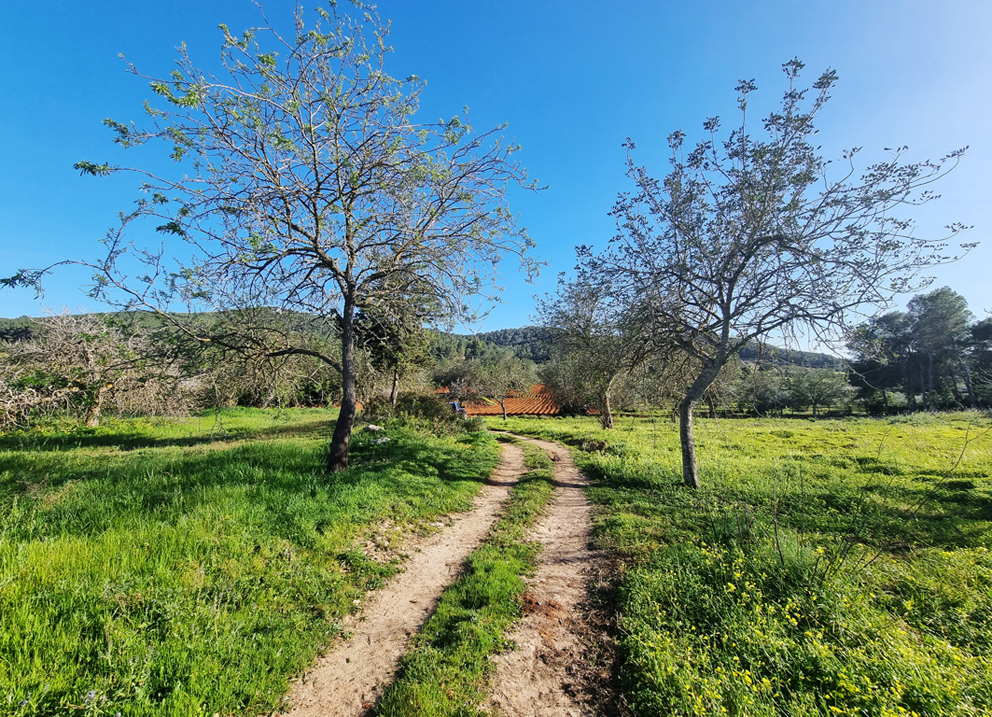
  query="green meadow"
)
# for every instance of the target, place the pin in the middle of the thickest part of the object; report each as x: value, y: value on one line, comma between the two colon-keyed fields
x: 184, y: 567
x: 192, y: 566
x: 829, y: 567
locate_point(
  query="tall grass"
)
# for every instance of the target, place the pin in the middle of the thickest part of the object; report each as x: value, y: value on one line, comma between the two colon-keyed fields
x: 831, y: 567
x: 190, y: 567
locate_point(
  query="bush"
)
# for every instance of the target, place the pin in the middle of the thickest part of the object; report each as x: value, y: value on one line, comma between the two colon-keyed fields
x: 431, y: 413
x: 377, y: 409
x: 433, y: 406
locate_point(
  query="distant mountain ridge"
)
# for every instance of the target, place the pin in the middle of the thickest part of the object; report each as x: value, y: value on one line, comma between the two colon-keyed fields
x: 533, y: 342
x: 526, y: 342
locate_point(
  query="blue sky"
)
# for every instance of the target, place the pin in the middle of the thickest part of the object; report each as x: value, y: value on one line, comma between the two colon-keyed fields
x: 573, y: 80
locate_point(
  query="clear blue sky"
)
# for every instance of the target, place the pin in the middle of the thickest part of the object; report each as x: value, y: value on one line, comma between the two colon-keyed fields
x: 572, y: 78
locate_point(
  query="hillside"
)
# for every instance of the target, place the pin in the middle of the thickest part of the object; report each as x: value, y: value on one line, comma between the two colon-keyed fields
x: 533, y: 342
x: 526, y: 342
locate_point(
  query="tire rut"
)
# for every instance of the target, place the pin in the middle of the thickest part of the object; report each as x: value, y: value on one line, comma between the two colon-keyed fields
x: 350, y: 677
x: 555, y: 670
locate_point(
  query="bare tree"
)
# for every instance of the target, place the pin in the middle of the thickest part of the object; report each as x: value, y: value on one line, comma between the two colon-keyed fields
x: 310, y: 187
x: 87, y: 363
x: 751, y: 236
x: 293, y: 380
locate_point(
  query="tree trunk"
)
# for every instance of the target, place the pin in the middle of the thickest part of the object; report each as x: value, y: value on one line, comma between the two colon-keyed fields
x: 394, y: 394
x: 907, y: 384
x: 93, y: 412
x: 337, y: 454
x: 711, y: 405
x: 606, y: 413
x: 967, y: 378
x: 502, y: 403
x: 923, y: 385
x: 93, y: 415
x: 690, y: 468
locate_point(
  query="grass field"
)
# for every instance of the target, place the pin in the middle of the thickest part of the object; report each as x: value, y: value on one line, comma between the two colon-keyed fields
x: 163, y: 567
x: 160, y: 567
x: 830, y: 567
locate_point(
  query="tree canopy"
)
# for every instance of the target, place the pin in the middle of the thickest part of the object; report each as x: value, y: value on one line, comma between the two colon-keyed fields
x: 599, y: 341
x: 933, y: 350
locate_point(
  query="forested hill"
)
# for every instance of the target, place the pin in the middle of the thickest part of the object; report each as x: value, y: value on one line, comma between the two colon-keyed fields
x: 26, y: 327
x: 532, y: 342
x: 527, y: 342
x: 19, y: 329
x: 767, y: 354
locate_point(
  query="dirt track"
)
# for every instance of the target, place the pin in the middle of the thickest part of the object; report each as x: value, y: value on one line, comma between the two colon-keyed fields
x: 558, y: 668
x: 548, y: 673
x: 350, y: 678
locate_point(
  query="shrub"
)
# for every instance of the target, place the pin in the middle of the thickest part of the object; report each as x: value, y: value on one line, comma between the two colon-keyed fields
x: 429, y: 412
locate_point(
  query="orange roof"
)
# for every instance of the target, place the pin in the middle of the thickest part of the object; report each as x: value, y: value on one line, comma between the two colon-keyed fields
x: 538, y: 402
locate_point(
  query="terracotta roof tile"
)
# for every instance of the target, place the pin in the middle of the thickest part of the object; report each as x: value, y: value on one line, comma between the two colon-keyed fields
x: 537, y: 402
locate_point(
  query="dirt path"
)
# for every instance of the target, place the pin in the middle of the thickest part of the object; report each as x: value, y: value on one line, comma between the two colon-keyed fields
x: 350, y: 678
x: 555, y: 670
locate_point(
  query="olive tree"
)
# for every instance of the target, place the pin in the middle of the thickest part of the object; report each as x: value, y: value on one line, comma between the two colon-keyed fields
x: 306, y: 183
x: 816, y: 387
x: 502, y: 378
x: 753, y: 234
x: 599, y: 341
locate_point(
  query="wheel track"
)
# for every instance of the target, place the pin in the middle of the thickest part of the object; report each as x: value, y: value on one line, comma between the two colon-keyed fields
x: 561, y: 666
x: 550, y: 674
x: 349, y: 678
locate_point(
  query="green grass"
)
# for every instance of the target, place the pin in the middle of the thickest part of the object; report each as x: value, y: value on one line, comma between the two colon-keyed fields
x: 191, y: 567
x: 445, y: 673
x: 830, y: 567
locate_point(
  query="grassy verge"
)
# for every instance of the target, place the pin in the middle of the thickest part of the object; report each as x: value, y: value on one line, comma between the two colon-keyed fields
x: 191, y: 567
x: 831, y: 567
x: 445, y: 673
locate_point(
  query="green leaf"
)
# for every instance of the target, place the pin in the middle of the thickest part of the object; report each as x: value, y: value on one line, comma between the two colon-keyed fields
x: 97, y: 170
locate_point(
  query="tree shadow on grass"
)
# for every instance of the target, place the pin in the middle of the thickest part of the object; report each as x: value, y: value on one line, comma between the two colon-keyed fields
x: 955, y: 513
x: 903, y: 517
x: 951, y: 514
x: 282, y: 484
x: 83, y: 438
x: 410, y: 454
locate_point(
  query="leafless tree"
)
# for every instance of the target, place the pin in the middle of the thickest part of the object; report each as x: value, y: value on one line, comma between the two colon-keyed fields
x: 89, y: 363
